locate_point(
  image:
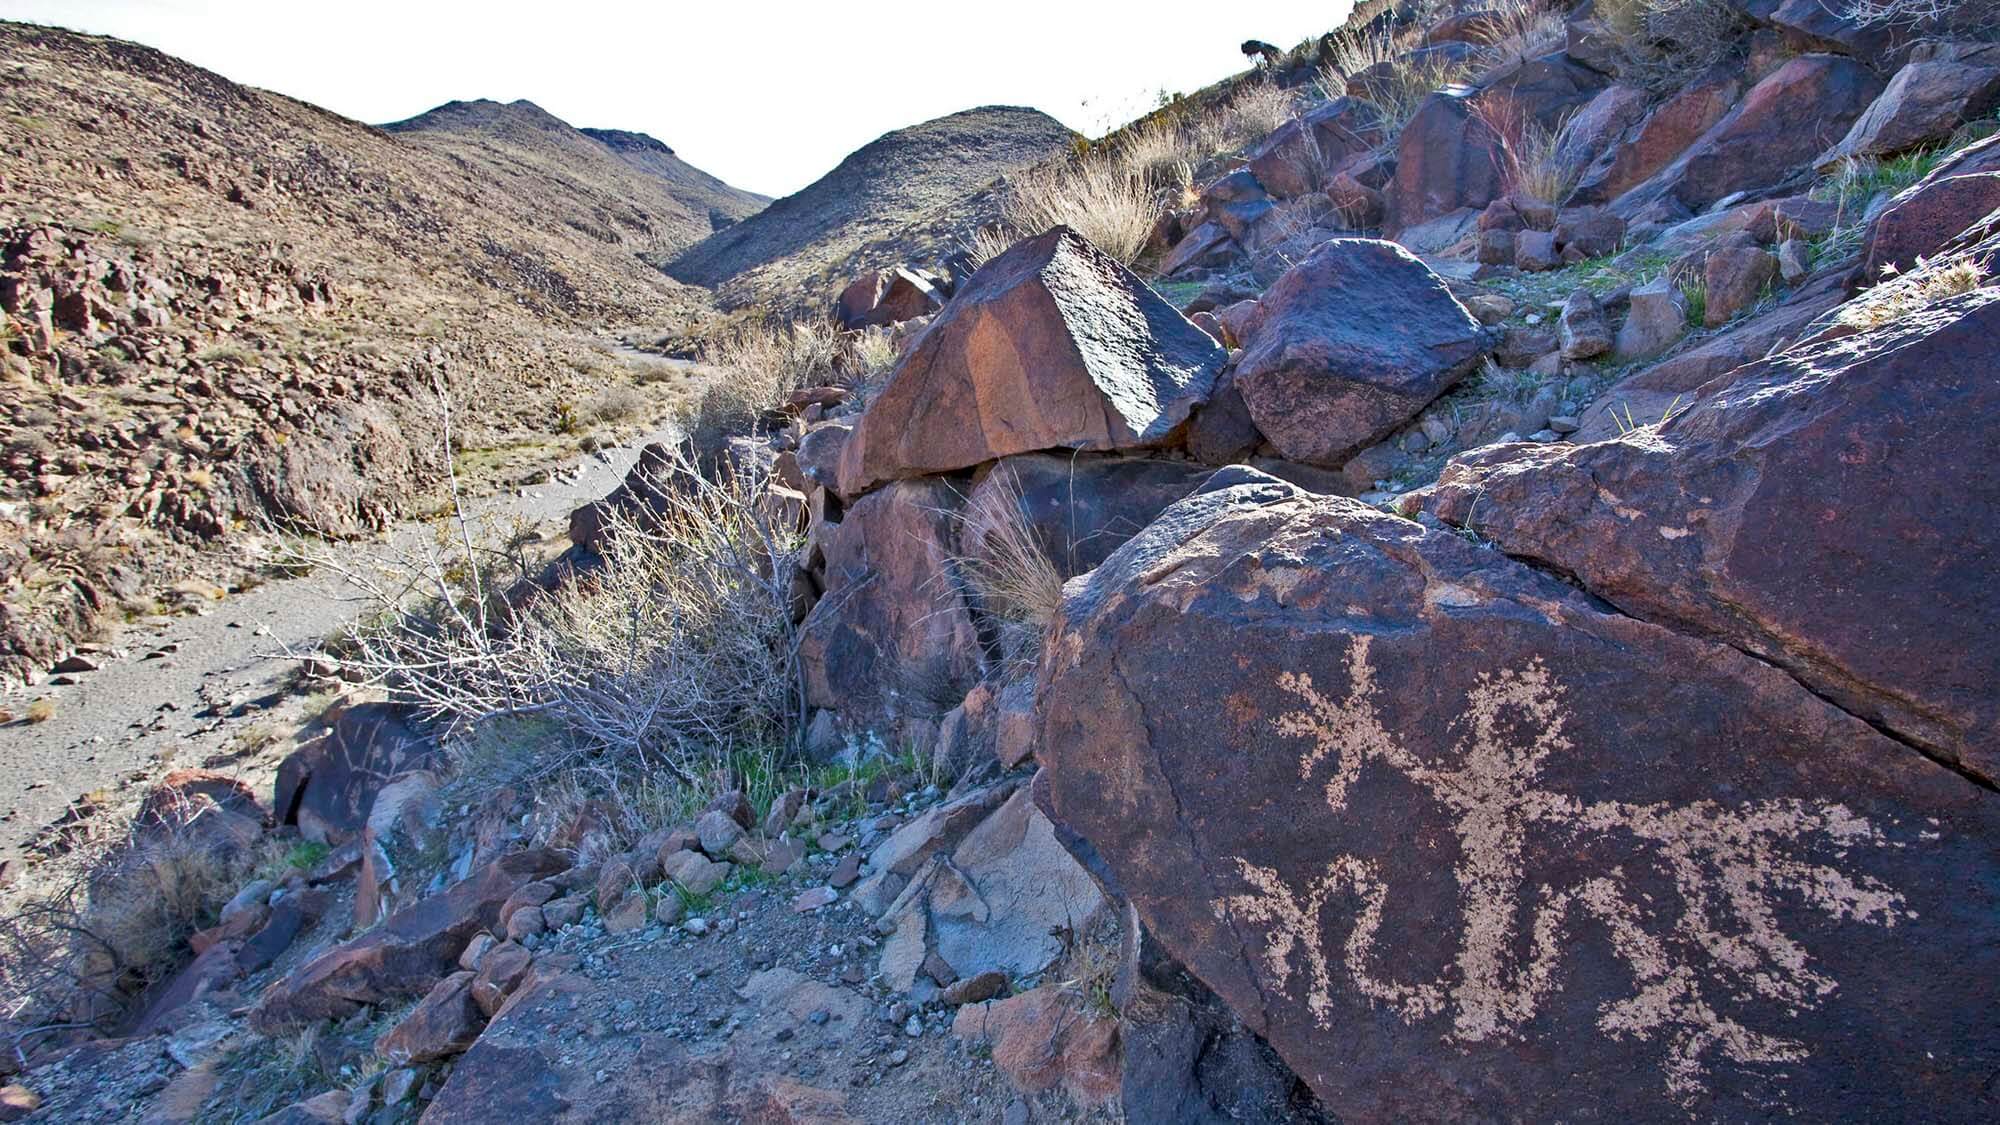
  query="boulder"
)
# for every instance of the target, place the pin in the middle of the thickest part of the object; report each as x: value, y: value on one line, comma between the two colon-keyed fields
x: 855, y: 302
x: 1817, y: 509
x: 1628, y: 868
x: 1736, y: 279
x: 328, y: 786
x: 1051, y: 345
x: 1204, y: 246
x: 1655, y: 320
x: 1447, y: 158
x: 1078, y: 509
x: 1356, y: 340
x: 444, y: 1023
x: 1925, y: 216
x: 1646, y: 148
x: 1586, y: 332
x: 1298, y: 157
x: 894, y: 616
x: 1535, y: 251
x: 1591, y: 232
x: 1781, y: 125
x: 1356, y: 205
x: 406, y: 955
x: 1923, y: 104
x: 1044, y: 1040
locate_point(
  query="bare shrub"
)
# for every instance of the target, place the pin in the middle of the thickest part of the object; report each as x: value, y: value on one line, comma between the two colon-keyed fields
x: 1519, y: 30
x: 1162, y: 151
x: 987, y: 243
x: 1097, y: 195
x: 1900, y: 13
x: 1008, y: 572
x: 675, y: 652
x: 1256, y: 109
x: 1664, y: 43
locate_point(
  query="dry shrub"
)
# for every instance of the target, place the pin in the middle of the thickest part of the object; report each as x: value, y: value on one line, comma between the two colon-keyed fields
x: 1400, y: 90
x: 752, y: 369
x: 1161, y: 151
x: 676, y: 652
x: 1534, y: 160
x: 88, y: 932
x: 1256, y: 109
x: 1009, y: 573
x: 1923, y: 285
x: 1519, y: 30
x: 1664, y: 43
x: 1900, y: 13
x: 1097, y: 195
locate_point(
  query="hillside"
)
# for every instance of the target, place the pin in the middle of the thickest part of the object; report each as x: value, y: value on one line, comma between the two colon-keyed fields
x: 225, y: 307
x: 628, y: 190
x: 778, y: 255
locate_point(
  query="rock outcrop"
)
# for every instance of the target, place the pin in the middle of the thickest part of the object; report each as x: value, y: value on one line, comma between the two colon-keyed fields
x: 1720, y: 873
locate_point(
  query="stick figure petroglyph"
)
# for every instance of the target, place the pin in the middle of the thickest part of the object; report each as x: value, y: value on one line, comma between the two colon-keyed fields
x: 1728, y: 865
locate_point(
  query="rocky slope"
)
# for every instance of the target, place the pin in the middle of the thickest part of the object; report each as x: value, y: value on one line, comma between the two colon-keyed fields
x: 223, y: 306
x: 783, y: 255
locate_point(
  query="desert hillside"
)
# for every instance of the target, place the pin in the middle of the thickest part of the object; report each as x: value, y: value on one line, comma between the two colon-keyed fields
x: 226, y: 307
x: 610, y: 185
x: 1445, y: 576
x: 778, y: 257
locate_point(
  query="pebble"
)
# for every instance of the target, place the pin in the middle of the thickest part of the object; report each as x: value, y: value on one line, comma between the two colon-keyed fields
x: 913, y: 1027
x: 898, y: 1057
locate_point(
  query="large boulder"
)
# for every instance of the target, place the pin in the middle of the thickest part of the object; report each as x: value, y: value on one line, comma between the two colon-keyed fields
x: 1923, y: 104
x: 410, y: 952
x: 1447, y: 158
x: 1079, y: 509
x: 894, y: 618
x: 1051, y: 345
x: 1653, y: 143
x: 1300, y: 156
x: 1463, y: 844
x: 1930, y: 213
x: 1354, y: 341
x: 1823, y: 509
x: 1773, y: 134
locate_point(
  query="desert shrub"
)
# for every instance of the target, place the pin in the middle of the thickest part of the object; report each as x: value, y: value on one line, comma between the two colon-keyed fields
x: 613, y: 405
x: 1664, y: 43
x: 1899, y: 295
x: 1899, y: 13
x: 1519, y: 30
x: 1399, y: 89
x: 1534, y: 160
x: 752, y: 369
x: 1097, y: 195
x: 675, y: 652
x: 1256, y: 109
x: 1161, y: 151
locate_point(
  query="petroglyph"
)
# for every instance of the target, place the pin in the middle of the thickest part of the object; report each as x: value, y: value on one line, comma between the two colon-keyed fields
x: 1729, y: 865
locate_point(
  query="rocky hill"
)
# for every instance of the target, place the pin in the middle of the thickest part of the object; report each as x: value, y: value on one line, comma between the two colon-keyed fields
x: 609, y: 185
x: 224, y: 306
x: 784, y: 255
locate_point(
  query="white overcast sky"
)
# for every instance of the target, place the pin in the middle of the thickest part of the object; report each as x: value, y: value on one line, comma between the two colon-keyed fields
x: 768, y: 96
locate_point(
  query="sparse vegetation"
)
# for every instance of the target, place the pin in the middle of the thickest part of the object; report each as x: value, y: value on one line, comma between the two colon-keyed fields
x: 1534, y: 160
x: 1664, y: 43
x: 1010, y: 574
x: 752, y: 369
x: 1925, y: 284
x: 1099, y: 196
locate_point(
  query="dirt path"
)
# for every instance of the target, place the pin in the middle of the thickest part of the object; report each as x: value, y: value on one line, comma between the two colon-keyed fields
x: 183, y: 689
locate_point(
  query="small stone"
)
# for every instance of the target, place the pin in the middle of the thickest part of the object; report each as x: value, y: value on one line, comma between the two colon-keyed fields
x: 1794, y: 260
x: 668, y: 910
x: 1544, y: 436
x: 913, y: 1027
x: 814, y: 899
x: 1564, y: 424
x: 973, y: 989
x: 898, y: 1057
x: 695, y: 926
x: 848, y: 870
x: 398, y: 1085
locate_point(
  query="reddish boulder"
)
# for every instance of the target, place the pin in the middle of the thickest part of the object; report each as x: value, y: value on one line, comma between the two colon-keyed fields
x: 894, y: 616
x: 1736, y: 279
x: 1936, y: 209
x: 1650, y: 146
x: 1045, y: 1040
x: 1355, y: 340
x: 1819, y: 509
x: 444, y: 1023
x: 1050, y: 345
x: 1781, y: 125
x: 1222, y: 432
x: 1206, y: 245
x: 1300, y: 156
x: 406, y: 955
x: 1446, y: 158
x: 855, y: 302
x: 1629, y: 869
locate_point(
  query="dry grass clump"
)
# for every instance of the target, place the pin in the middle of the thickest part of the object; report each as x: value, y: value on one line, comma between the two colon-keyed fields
x: 677, y: 650
x: 1099, y: 196
x: 752, y: 369
x: 1397, y: 90
x: 1925, y: 284
x: 1534, y: 160
x: 1008, y: 572
x: 1519, y: 30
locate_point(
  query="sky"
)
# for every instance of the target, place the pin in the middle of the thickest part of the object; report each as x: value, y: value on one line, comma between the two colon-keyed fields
x: 769, y: 96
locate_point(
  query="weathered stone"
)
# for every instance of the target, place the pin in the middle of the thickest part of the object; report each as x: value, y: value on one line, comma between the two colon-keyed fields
x: 718, y: 831
x: 1580, y: 903
x: 1663, y: 135
x: 1922, y: 104
x: 1050, y: 345
x: 1535, y: 251
x: 1655, y: 320
x: 1736, y: 279
x: 938, y: 829
x: 1356, y: 340
x: 1590, y: 231
x: 1794, y: 260
x: 1798, y: 533
x: 1496, y: 247
x: 1222, y: 432
x: 1925, y: 216
x: 1297, y: 158
x: 1078, y: 509
x: 694, y: 873
x: 1585, y: 330
x: 894, y: 618
x: 328, y: 786
x: 1042, y: 1040
x: 408, y: 953
x: 1447, y: 158
x: 444, y: 1023
x: 1206, y: 245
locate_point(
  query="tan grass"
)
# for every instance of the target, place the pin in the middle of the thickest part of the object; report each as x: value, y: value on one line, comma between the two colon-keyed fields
x: 1534, y: 160
x: 1520, y: 30
x: 753, y: 369
x: 1924, y: 285
x: 1009, y: 573
x: 1097, y: 195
